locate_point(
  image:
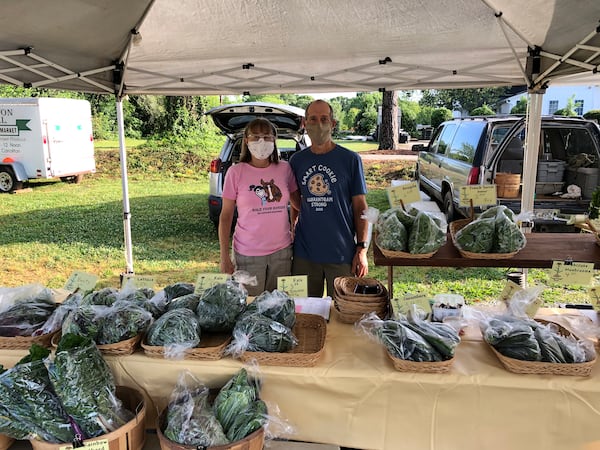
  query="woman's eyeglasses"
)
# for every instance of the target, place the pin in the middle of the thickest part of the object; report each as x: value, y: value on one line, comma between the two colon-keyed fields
x: 257, y: 137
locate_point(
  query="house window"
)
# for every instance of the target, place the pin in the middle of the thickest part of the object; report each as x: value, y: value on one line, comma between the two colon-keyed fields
x: 552, y: 106
x: 579, y: 107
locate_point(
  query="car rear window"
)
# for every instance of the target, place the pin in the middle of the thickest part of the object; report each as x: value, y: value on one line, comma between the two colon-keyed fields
x: 466, y: 140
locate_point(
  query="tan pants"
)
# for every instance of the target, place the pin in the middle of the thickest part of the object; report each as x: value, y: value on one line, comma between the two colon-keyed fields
x: 318, y: 274
x: 266, y: 269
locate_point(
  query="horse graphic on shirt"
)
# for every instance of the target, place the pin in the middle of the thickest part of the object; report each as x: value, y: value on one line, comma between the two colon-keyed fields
x: 267, y: 191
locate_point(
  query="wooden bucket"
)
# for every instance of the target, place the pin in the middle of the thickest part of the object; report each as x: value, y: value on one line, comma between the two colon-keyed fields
x: 5, y: 442
x: 508, y: 185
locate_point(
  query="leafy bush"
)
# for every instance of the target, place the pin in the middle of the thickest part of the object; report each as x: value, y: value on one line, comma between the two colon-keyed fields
x: 483, y: 110
x: 593, y: 114
x: 440, y: 115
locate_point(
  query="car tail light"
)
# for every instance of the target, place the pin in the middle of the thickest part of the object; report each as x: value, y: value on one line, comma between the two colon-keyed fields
x: 215, y: 166
x: 473, y: 177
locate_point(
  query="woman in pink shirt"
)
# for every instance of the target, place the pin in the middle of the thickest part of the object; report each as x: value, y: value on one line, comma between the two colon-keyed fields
x: 260, y: 186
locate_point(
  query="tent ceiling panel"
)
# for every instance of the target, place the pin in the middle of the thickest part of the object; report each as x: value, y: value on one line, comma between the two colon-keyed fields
x: 201, y: 46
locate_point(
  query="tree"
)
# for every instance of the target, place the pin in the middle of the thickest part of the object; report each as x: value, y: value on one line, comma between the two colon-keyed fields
x: 440, y: 115
x: 388, y: 130
x: 483, y: 110
x: 520, y: 107
x: 465, y: 99
x: 569, y: 109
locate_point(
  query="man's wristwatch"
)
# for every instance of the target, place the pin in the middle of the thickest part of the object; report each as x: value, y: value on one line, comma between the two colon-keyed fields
x: 361, y: 244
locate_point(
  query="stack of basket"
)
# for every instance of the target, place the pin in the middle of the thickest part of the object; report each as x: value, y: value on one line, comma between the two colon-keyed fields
x: 355, y: 297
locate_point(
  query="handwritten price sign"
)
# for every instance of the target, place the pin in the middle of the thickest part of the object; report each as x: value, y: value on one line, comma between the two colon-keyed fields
x: 403, y: 194
x: 294, y: 286
x: 137, y: 281
x: 208, y: 280
x: 81, y: 281
x: 481, y: 195
x: 572, y: 273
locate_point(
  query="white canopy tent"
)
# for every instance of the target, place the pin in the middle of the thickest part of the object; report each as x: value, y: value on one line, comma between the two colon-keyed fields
x: 202, y: 47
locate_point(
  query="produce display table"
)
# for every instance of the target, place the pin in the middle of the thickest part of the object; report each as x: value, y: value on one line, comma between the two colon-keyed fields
x: 539, y: 253
x: 354, y: 397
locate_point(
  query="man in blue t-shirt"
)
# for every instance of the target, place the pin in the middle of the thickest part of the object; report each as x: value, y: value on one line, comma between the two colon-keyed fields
x: 330, y: 235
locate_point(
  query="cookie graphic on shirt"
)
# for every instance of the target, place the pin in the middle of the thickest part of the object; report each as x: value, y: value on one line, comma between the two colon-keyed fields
x: 317, y: 185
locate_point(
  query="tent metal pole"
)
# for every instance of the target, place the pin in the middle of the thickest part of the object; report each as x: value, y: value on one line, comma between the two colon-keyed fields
x: 125, y: 188
x: 532, y: 148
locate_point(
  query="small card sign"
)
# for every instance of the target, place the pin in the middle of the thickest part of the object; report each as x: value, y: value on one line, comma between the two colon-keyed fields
x: 81, y: 281
x: 131, y: 281
x: 532, y: 308
x: 100, y: 444
x: 568, y: 273
x: 294, y: 286
x: 509, y: 290
x: 403, y: 305
x: 208, y: 280
x: 481, y: 195
x: 404, y: 193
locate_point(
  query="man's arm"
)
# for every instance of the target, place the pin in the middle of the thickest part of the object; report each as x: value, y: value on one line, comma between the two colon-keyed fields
x: 360, y: 264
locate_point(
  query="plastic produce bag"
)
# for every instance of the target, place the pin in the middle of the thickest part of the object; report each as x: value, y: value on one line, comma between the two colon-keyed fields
x: 220, y: 306
x: 276, y: 305
x: 257, y: 333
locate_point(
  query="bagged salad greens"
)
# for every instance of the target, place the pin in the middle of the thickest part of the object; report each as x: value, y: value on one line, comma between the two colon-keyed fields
x: 426, y: 234
x: 179, y: 326
x: 220, y: 306
x: 85, y: 385
x: 258, y: 333
x: 24, y: 310
x: 29, y: 406
x: 392, y: 234
x: 276, y: 305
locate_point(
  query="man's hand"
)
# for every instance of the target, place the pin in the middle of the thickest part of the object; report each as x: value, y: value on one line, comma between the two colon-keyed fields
x: 360, y: 264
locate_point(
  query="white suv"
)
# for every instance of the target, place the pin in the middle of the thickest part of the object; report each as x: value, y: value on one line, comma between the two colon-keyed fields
x: 232, y: 119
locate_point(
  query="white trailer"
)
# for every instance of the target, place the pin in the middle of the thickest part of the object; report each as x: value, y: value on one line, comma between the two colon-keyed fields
x: 43, y: 138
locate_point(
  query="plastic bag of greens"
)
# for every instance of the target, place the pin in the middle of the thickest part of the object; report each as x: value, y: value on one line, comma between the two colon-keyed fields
x: 56, y: 319
x: 189, y: 418
x: 509, y: 237
x: 29, y: 292
x: 477, y: 236
x: 220, y: 306
x: 189, y: 301
x: 104, y: 297
x: 257, y: 333
x: 82, y: 320
x: 179, y: 327
x: 123, y: 320
x: 392, y: 235
x: 276, y: 305
x: 85, y: 385
x: 26, y: 316
x: 29, y: 407
x: 426, y: 234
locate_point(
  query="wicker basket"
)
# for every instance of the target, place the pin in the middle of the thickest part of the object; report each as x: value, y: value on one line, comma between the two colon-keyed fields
x: 5, y: 442
x: 131, y: 436
x: 310, y: 330
x: 254, y: 441
x: 396, y: 254
x: 456, y: 226
x: 211, y: 348
x: 404, y: 365
x: 508, y: 185
x: 122, y: 348
x: 24, y: 342
x: 345, y: 286
x: 544, y: 368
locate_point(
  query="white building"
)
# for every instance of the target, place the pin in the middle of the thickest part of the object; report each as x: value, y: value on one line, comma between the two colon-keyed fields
x: 585, y: 98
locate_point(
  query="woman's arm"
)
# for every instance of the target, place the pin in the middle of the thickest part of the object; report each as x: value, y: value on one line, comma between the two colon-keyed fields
x: 225, y: 222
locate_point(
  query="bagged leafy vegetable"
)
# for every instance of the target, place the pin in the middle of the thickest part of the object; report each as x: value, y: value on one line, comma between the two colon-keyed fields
x: 512, y: 337
x: 426, y: 235
x: 276, y: 305
x: 29, y: 406
x: 189, y: 301
x: 25, y: 317
x: 82, y: 321
x: 178, y: 290
x: 138, y: 295
x: 56, y: 319
x: 190, y: 419
x: 492, y: 213
x: 105, y: 297
x: 220, y: 306
x: 477, y: 236
x: 85, y: 385
x: 392, y: 235
x: 509, y: 237
x: 176, y: 327
x: 257, y: 333
x: 122, y: 321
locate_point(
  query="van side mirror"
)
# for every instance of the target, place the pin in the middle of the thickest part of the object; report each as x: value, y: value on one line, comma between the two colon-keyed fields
x: 418, y: 148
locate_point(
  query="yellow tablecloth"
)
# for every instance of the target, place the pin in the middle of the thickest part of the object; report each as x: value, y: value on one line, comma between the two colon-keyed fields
x: 354, y: 397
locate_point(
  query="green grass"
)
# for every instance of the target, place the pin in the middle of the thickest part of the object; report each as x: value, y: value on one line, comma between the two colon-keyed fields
x: 55, y: 228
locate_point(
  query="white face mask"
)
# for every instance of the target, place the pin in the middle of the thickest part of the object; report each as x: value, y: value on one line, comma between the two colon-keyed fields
x: 261, y: 149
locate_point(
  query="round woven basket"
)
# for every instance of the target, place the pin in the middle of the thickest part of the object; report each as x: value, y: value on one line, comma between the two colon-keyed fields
x: 346, y: 286
x: 395, y: 254
x: 24, y: 342
x: 211, y: 348
x: 456, y: 226
x: 254, y: 441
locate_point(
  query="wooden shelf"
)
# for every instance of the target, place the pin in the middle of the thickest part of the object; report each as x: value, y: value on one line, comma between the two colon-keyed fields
x: 539, y: 253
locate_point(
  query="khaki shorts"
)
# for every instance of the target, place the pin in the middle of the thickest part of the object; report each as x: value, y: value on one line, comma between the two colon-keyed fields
x: 318, y: 274
x: 266, y: 269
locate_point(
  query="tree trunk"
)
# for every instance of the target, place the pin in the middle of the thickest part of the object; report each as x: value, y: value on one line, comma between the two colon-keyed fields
x: 388, y: 130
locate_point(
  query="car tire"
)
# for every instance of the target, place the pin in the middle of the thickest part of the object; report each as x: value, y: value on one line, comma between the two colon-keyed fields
x: 8, y: 180
x: 448, y: 207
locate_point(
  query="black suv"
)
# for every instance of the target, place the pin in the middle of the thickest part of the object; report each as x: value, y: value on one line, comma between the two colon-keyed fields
x: 473, y: 150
